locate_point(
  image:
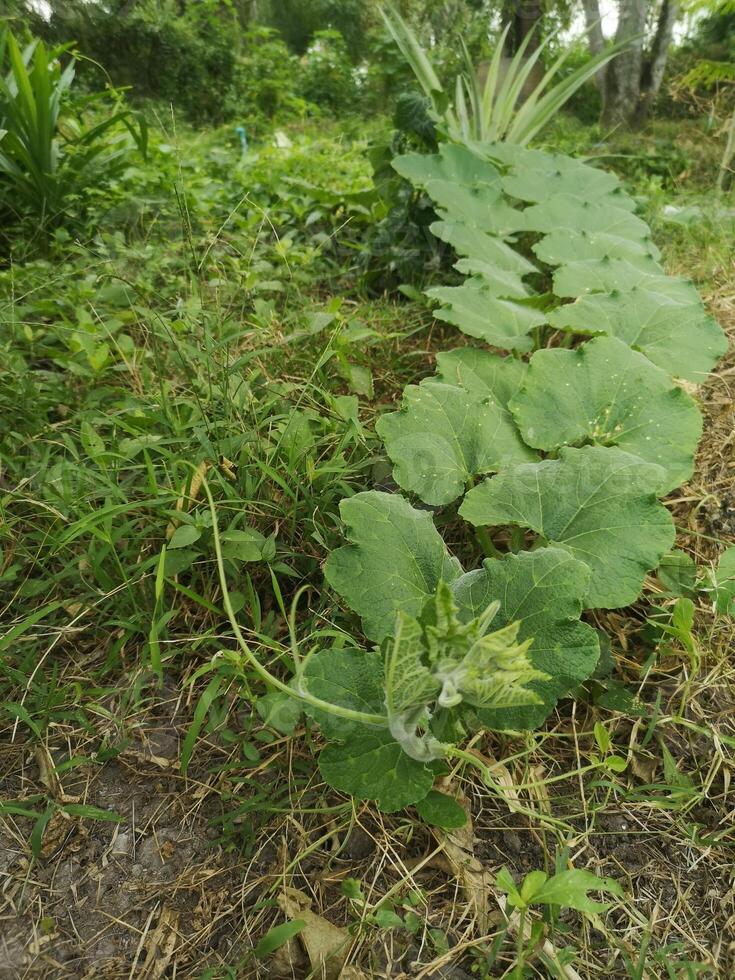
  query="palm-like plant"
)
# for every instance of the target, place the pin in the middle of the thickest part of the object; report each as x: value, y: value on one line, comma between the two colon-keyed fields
x: 42, y: 161
x: 496, y: 110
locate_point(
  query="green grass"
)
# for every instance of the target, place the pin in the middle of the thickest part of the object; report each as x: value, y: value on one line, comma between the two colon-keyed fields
x: 212, y: 322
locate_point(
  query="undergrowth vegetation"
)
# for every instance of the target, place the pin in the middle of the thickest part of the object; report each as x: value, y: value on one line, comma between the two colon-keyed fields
x: 351, y: 630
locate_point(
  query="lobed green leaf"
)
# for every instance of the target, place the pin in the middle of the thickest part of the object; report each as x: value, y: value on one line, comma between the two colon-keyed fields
x: 597, y: 503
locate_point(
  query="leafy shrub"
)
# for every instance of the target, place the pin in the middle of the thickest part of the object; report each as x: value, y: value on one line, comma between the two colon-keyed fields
x: 399, y: 248
x: 189, y: 60
x: 50, y: 163
x: 329, y: 79
x: 269, y: 80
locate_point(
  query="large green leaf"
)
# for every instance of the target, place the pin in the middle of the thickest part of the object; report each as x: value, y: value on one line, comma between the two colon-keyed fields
x: 444, y: 436
x: 471, y: 242
x: 394, y: 561
x: 482, y: 372
x: 608, y: 275
x: 598, y: 503
x: 564, y: 211
x: 479, y: 205
x: 544, y: 590
x: 567, y: 245
x: 607, y: 394
x: 500, y: 282
x: 375, y: 767
x: 681, y: 338
x: 363, y: 761
x: 500, y: 322
x: 537, y: 176
x: 452, y: 163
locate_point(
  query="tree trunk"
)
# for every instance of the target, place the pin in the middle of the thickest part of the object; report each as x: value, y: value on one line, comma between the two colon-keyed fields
x: 623, y: 76
x: 524, y: 16
x: 655, y: 63
x: 595, y: 37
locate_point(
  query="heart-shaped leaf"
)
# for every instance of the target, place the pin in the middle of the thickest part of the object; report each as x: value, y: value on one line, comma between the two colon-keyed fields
x: 607, y: 275
x: 544, y: 590
x: 471, y: 242
x: 562, y: 211
x: 395, y: 560
x: 565, y: 245
x: 537, y: 176
x: 479, y: 205
x: 607, y: 394
x: 452, y: 163
x: 598, y: 503
x: 444, y: 436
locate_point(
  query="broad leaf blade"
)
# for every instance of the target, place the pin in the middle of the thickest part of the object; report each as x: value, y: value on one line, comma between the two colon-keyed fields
x: 363, y: 761
x: 482, y: 373
x: 394, y: 561
x: 444, y: 436
x: 606, y: 394
x: 680, y: 338
x: 477, y: 312
x: 597, y: 503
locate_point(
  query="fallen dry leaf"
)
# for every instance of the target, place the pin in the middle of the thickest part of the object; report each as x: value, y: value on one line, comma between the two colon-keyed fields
x: 326, y: 945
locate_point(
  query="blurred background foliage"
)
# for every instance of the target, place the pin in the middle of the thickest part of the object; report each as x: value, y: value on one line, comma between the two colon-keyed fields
x: 255, y: 61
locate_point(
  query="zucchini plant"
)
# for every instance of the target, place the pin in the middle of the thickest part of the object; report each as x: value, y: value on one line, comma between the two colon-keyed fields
x: 557, y: 437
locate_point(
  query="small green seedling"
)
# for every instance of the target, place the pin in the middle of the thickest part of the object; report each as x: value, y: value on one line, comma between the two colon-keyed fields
x: 565, y: 889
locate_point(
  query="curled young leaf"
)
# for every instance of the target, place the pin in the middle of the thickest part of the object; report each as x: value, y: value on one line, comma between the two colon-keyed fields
x: 443, y: 661
x: 542, y: 591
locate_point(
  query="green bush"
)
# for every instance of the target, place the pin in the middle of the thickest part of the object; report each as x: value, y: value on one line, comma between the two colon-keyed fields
x: 269, y: 80
x: 329, y: 76
x: 51, y: 161
x: 189, y: 60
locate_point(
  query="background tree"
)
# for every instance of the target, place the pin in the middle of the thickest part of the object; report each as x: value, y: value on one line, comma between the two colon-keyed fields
x: 631, y: 82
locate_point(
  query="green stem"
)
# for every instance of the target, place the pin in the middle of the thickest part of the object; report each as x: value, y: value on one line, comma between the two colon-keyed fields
x: 486, y: 543
x: 517, y: 539
x: 361, y: 717
x: 453, y: 752
x: 520, y: 943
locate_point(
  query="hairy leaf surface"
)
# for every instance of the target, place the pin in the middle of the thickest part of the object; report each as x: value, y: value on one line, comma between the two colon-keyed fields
x: 536, y: 176
x: 452, y: 162
x: 444, y: 436
x: 364, y: 761
x: 500, y: 322
x: 482, y: 373
x: 607, y: 394
x: 564, y: 211
x: 481, y: 205
x: 471, y: 242
x: 608, y: 275
x: 680, y: 338
x: 544, y: 590
x: 597, y: 503
x: 567, y: 245
x: 395, y: 560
